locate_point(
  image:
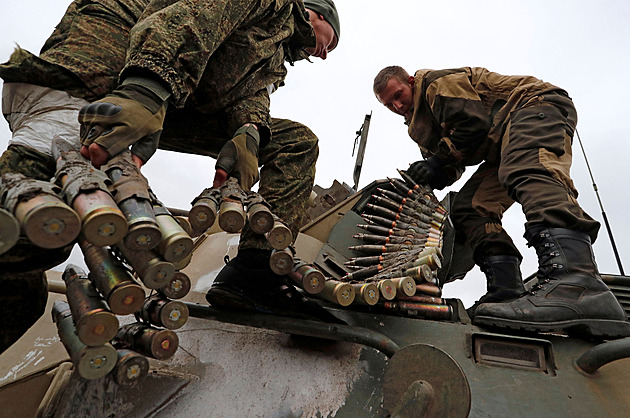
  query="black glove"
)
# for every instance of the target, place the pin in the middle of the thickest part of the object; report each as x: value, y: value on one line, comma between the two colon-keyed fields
x: 424, y: 171
x: 133, y: 114
x: 239, y: 157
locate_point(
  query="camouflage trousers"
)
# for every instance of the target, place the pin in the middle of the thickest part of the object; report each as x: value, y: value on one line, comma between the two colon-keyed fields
x: 287, y: 163
x: 534, y: 170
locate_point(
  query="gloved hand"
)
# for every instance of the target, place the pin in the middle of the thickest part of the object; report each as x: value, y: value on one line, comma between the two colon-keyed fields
x: 424, y: 171
x: 239, y: 158
x: 133, y: 114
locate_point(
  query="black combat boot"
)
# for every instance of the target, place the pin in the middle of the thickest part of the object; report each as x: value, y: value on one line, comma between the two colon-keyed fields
x: 503, y: 278
x: 570, y: 295
x: 248, y: 283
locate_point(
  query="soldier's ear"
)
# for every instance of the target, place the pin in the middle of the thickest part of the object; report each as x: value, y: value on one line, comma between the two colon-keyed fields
x: 410, y: 80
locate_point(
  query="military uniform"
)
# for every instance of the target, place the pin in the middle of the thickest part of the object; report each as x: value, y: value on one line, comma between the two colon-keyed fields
x: 227, y: 58
x: 520, y: 129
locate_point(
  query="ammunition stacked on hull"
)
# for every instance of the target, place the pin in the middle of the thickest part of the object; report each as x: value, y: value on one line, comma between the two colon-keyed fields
x: 9, y: 231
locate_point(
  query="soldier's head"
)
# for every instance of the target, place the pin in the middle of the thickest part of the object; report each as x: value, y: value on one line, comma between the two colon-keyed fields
x: 325, y: 21
x: 393, y: 87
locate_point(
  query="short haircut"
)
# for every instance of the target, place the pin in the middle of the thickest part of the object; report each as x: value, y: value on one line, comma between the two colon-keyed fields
x: 386, y: 74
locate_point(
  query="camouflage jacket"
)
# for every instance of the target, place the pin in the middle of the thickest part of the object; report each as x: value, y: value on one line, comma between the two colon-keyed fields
x: 460, y: 114
x: 218, y: 56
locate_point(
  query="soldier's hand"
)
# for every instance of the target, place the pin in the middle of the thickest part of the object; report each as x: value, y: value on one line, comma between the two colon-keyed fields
x: 132, y: 114
x: 424, y: 171
x: 239, y: 158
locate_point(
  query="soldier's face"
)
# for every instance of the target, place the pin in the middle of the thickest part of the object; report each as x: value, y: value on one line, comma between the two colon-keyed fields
x: 397, y: 96
x: 326, y: 38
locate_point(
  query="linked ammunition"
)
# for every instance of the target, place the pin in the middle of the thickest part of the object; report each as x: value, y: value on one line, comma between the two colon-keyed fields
x: 259, y: 216
x: 90, y: 362
x: 204, y: 210
x: 307, y: 277
x: 150, y: 268
x: 423, y: 310
x: 160, y: 344
x: 429, y: 289
x: 85, y: 189
x: 382, y: 249
x: 130, y: 369
x: 177, y: 287
x: 95, y: 324
x: 398, y: 207
x: 175, y: 244
x: 9, y: 231
x: 366, y: 293
x: 424, y: 205
x: 405, y: 286
x: 423, y: 273
x: 231, y: 216
x: 364, y: 273
x: 379, y: 239
x: 122, y: 293
x: 413, y: 218
x: 281, y: 261
x: 161, y: 312
x: 337, y: 292
x: 132, y: 194
x: 280, y: 236
x: 431, y: 260
x: 365, y: 261
x: 43, y: 217
x: 387, y: 289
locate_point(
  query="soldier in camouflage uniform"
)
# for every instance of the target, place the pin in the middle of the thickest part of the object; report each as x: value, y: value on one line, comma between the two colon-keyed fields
x: 520, y: 129
x: 214, y: 62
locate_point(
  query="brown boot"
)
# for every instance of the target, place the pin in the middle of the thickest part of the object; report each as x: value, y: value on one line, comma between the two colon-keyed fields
x: 570, y: 295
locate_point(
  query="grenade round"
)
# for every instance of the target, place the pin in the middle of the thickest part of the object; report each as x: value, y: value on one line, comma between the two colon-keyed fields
x: 153, y: 271
x: 337, y: 292
x: 281, y: 261
x: 177, y: 287
x: 130, y: 368
x: 280, y: 236
x: 166, y: 313
x: 90, y: 362
x: 231, y: 216
x: 175, y: 244
x: 366, y: 293
x: 122, y: 293
x: 405, y: 286
x: 95, y: 324
x: 260, y: 218
x: 387, y: 289
x: 307, y: 277
x: 9, y: 231
x: 204, y: 212
x: 160, y: 344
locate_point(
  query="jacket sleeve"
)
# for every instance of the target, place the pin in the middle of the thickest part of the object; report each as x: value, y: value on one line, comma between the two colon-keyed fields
x: 174, y: 40
x: 461, y: 114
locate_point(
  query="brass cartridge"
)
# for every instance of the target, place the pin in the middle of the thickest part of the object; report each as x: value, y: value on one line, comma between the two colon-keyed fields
x: 150, y: 268
x: 431, y: 260
x: 365, y: 261
x: 90, y: 362
x: 423, y: 310
x: 431, y: 300
x: 260, y: 217
x: 160, y: 344
x: 405, y: 286
x: 177, y: 287
x: 281, y: 261
x: 122, y: 293
x: 9, y: 231
x: 165, y: 313
x: 308, y: 277
x: 337, y: 292
x: 364, y: 273
x: 95, y: 324
x: 280, y: 236
x: 130, y: 369
x: 387, y: 289
x: 175, y: 244
x: 366, y: 293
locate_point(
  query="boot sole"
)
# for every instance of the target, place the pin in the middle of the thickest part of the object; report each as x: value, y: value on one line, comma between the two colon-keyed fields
x: 588, y: 328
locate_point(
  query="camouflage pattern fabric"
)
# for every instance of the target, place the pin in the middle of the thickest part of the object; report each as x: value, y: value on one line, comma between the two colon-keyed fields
x: 521, y: 128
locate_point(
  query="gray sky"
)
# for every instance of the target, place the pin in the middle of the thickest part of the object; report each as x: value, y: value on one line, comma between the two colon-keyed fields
x: 581, y: 46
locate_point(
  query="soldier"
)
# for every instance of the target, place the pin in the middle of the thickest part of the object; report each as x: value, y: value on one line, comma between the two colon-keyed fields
x: 214, y: 62
x: 520, y: 129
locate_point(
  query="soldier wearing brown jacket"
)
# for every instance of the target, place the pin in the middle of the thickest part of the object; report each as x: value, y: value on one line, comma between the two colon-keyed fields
x: 519, y: 129
x: 188, y: 74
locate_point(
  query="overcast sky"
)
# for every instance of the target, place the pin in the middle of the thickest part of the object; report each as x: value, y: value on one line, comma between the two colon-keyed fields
x: 581, y: 46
